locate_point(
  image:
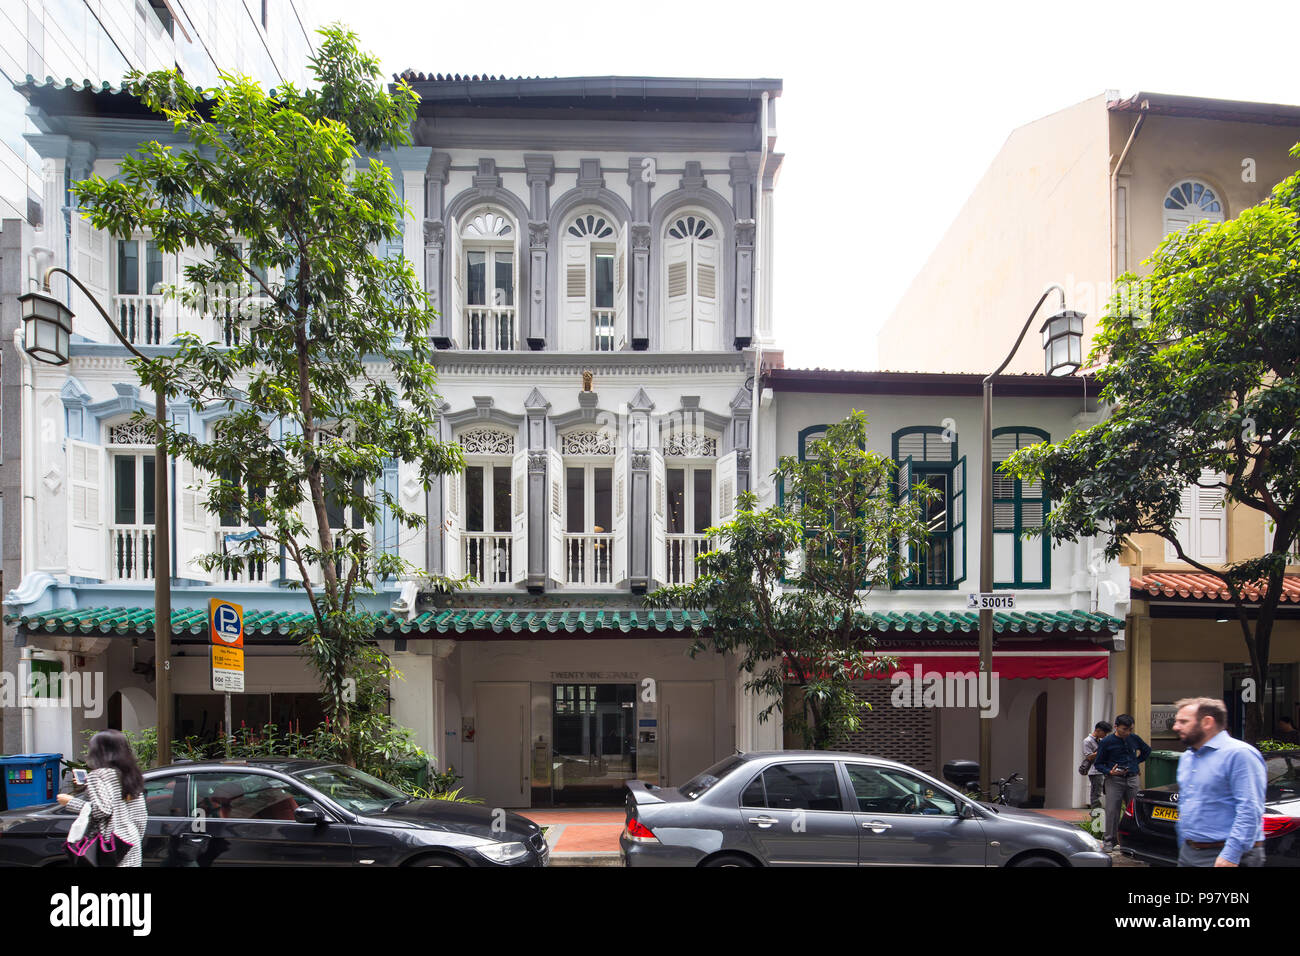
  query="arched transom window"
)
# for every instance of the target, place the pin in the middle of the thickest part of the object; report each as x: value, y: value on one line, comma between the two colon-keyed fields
x: 692, y: 280
x: 1191, y: 201
x: 593, y: 283
x: 484, y: 277
x: 485, y: 508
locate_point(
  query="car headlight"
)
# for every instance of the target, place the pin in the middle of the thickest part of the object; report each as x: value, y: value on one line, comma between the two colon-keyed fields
x: 503, y: 852
x: 1090, y: 841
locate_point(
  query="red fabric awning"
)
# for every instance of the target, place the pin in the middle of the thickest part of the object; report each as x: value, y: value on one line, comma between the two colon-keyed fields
x: 1026, y: 664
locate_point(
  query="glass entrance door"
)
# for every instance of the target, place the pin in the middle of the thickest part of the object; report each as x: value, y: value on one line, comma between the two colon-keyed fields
x: 593, y: 733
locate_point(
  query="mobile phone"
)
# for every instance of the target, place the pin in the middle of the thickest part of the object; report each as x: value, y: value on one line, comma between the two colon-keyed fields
x: 79, y: 777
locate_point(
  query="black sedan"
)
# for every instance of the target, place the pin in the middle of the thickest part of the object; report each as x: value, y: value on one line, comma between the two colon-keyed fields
x: 1147, y: 829
x: 820, y: 808
x: 280, y: 811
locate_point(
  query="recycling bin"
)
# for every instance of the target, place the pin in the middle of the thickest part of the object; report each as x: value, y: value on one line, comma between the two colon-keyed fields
x: 1162, y: 768
x: 30, y: 779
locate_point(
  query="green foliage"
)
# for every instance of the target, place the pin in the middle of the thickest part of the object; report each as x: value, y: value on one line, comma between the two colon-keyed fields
x: 1268, y: 745
x: 786, y: 587
x: 331, y: 376
x: 390, y: 755
x: 1200, y: 363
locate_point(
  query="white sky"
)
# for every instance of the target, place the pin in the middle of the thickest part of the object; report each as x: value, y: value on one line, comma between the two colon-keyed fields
x: 908, y: 103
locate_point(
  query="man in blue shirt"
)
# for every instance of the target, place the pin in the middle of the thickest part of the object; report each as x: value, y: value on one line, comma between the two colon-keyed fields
x: 1119, y: 757
x: 1221, y: 784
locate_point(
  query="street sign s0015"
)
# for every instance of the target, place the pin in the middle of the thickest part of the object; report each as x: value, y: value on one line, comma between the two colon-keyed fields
x: 991, y: 601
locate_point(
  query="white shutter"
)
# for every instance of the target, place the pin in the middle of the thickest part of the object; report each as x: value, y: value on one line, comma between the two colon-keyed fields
x: 190, y: 318
x: 555, y: 515
x: 194, y: 536
x: 708, y: 282
x: 1183, y: 525
x: 452, y: 564
x: 1201, y: 523
x: 620, y: 515
x: 620, y: 290
x: 310, y: 539
x: 658, y: 518
x: 1211, y: 521
x: 88, y: 475
x: 457, y: 310
x: 575, y: 318
x: 90, y: 264
x: 519, y: 516
x: 677, y: 312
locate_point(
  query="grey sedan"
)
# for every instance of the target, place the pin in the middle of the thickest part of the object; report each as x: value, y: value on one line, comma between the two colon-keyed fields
x: 819, y: 808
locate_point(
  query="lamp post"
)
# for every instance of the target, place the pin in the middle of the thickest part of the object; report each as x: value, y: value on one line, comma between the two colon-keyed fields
x: 47, y: 329
x: 1063, y: 355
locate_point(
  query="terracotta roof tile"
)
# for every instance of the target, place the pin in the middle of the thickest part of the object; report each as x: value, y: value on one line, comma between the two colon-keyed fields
x: 1206, y: 587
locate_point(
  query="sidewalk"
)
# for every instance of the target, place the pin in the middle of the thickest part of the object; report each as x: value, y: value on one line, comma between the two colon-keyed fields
x: 581, y: 837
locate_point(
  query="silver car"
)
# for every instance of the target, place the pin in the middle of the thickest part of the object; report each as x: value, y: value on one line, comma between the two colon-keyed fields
x: 820, y: 808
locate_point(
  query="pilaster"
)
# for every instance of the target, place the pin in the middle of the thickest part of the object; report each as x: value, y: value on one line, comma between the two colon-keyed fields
x: 536, y: 408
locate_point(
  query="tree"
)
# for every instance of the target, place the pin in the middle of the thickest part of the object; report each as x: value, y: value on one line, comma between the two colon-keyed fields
x: 328, y: 373
x: 1202, y: 373
x: 786, y: 587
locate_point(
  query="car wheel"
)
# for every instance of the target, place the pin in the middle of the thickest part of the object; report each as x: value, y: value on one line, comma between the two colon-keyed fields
x: 1036, y: 861
x: 437, y: 860
x: 729, y: 859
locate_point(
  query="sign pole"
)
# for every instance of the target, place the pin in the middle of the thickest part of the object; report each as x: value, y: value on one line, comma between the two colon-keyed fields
x: 226, y: 630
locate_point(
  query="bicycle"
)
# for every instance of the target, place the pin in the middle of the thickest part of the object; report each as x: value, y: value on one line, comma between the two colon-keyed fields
x: 1008, y: 793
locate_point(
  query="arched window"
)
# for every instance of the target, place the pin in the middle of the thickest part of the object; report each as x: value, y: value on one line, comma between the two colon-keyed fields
x: 486, y: 507
x: 131, y: 514
x: 692, y: 280
x: 1191, y: 201
x: 593, y: 257
x: 928, y: 454
x: 590, y: 506
x: 690, y: 458
x: 484, y: 278
x: 1018, y: 506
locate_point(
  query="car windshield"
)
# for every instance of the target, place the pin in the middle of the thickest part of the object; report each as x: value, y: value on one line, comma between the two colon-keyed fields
x: 353, y: 789
x: 701, y: 782
x: 1283, y: 776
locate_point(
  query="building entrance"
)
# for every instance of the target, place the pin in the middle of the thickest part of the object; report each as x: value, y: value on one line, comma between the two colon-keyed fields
x: 593, y: 734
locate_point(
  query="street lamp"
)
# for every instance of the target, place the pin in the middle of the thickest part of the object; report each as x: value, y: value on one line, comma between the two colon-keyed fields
x: 1062, y: 350
x: 47, y: 329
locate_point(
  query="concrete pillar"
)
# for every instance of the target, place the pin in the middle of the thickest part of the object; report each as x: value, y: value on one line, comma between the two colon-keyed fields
x: 640, y: 533
x: 435, y: 183
x: 535, y: 408
x: 11, y: 489
x: 739, y: 436
x: 1140, y: 678
x: 540, y: 174
x: 641, y: 175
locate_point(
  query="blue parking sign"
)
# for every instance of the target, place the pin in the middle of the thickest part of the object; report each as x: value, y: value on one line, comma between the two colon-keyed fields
x: 226, y: 623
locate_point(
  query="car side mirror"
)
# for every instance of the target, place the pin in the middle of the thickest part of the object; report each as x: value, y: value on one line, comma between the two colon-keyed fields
x: 967, y: 812
x: 309, y: 814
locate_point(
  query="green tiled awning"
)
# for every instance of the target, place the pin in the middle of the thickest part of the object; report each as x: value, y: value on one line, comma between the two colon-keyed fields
x: 504, y: 622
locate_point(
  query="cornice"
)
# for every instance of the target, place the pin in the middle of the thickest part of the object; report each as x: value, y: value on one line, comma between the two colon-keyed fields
x: 622, y: 364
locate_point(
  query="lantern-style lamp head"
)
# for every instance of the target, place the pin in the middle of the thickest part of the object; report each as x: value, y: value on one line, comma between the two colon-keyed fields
x: 47, y: 327
x: 1063, y: 343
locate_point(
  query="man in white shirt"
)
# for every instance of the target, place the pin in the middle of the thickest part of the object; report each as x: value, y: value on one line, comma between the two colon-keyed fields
x: 1095, y: 777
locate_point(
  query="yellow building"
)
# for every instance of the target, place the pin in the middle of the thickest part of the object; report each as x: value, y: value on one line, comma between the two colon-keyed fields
x: 1077, y: 198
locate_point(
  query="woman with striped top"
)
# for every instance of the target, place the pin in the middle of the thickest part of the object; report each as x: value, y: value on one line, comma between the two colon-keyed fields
x: 115, y: 792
